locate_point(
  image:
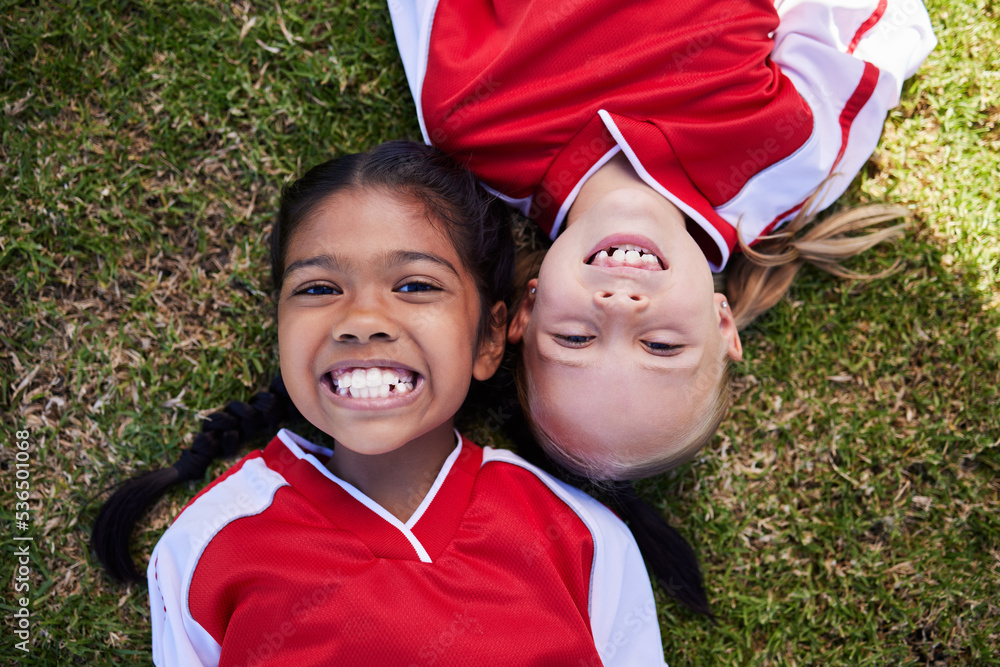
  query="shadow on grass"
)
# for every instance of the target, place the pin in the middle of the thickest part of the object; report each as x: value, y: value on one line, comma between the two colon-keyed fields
x: 849, y: 508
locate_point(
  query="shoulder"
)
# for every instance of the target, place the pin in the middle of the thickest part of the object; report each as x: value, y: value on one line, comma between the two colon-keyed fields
x: 620, y: 600
x: 243, y: 489
x: 604, y: 525
x: 246, y: 489
x: 505, y: 457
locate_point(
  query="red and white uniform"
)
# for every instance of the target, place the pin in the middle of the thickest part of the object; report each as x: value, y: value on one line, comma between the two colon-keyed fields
x: 279, y: 562
x: 736, y: 110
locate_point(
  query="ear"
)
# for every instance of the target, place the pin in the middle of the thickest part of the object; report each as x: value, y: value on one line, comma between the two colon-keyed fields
x: 519, y: 322
x: 491, y: 350
x: 727, y: 327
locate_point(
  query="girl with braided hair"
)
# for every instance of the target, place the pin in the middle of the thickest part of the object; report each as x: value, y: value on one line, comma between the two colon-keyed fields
x: 406, y: 543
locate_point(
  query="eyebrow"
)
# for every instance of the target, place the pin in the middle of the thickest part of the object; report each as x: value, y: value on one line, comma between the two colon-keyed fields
x: 392, y: 259
x: 328, y: 262
x: 400, y: 257
x: 549, y: 359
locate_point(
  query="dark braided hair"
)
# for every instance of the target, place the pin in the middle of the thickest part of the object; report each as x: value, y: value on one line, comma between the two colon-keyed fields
x: 476, y: 222
x: 222, y: 434
x: 668, y: 555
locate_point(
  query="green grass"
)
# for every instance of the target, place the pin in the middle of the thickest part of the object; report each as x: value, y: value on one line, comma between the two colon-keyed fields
x: 848, y: 511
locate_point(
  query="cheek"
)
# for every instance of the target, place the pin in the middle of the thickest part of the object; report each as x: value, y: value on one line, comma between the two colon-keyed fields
x: 543, y: 381
x: 560, y: 293
x: 284, y: 340
x: 294, y: 343
x: 289, y: 366
x: 457, y: 323
x: 551, y: 273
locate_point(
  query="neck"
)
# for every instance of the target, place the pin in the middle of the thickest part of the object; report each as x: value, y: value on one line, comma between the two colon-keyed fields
x: 397, y: 480
x: 615, y: 174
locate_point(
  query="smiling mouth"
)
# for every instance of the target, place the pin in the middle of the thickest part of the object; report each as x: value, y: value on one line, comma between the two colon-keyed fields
x: 626, y: 255
x: 371, y: 382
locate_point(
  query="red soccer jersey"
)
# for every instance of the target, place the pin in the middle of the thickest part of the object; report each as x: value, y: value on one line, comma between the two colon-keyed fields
x: 733, y: 114
x: 279, y: 562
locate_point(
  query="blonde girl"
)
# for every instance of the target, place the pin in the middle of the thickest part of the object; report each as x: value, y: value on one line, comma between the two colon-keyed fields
x: 652, y: 142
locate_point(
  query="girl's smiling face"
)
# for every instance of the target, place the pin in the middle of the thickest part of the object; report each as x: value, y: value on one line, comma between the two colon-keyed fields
x: 624, y: 337
x: 377, y: 322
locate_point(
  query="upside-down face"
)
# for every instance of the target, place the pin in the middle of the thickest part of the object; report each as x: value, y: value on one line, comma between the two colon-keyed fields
x: 624, y: 339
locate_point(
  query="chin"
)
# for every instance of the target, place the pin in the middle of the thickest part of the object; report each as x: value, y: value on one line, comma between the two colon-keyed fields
x: 369, y: 446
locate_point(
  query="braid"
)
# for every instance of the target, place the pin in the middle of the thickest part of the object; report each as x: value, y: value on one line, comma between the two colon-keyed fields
x: 222, y: 434
x: 667, y: 554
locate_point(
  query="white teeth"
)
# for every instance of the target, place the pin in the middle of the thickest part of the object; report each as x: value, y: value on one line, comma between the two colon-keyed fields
x: 372, y: 382
x: 626, y: 255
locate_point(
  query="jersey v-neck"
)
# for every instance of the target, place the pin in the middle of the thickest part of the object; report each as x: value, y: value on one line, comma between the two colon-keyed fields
x: 422, y: 537
x: 278, y: 562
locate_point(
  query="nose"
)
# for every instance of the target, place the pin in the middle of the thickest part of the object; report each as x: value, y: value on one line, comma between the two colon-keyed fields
x: 621, y: 299
x: 365, y: 322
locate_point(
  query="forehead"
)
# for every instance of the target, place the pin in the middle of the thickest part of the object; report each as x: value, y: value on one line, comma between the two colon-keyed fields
x: 638, y: 413
x: 633, y: 429
x: 360, y: 217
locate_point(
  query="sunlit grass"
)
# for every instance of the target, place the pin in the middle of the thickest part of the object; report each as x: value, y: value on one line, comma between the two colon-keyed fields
x: 847, y: 513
